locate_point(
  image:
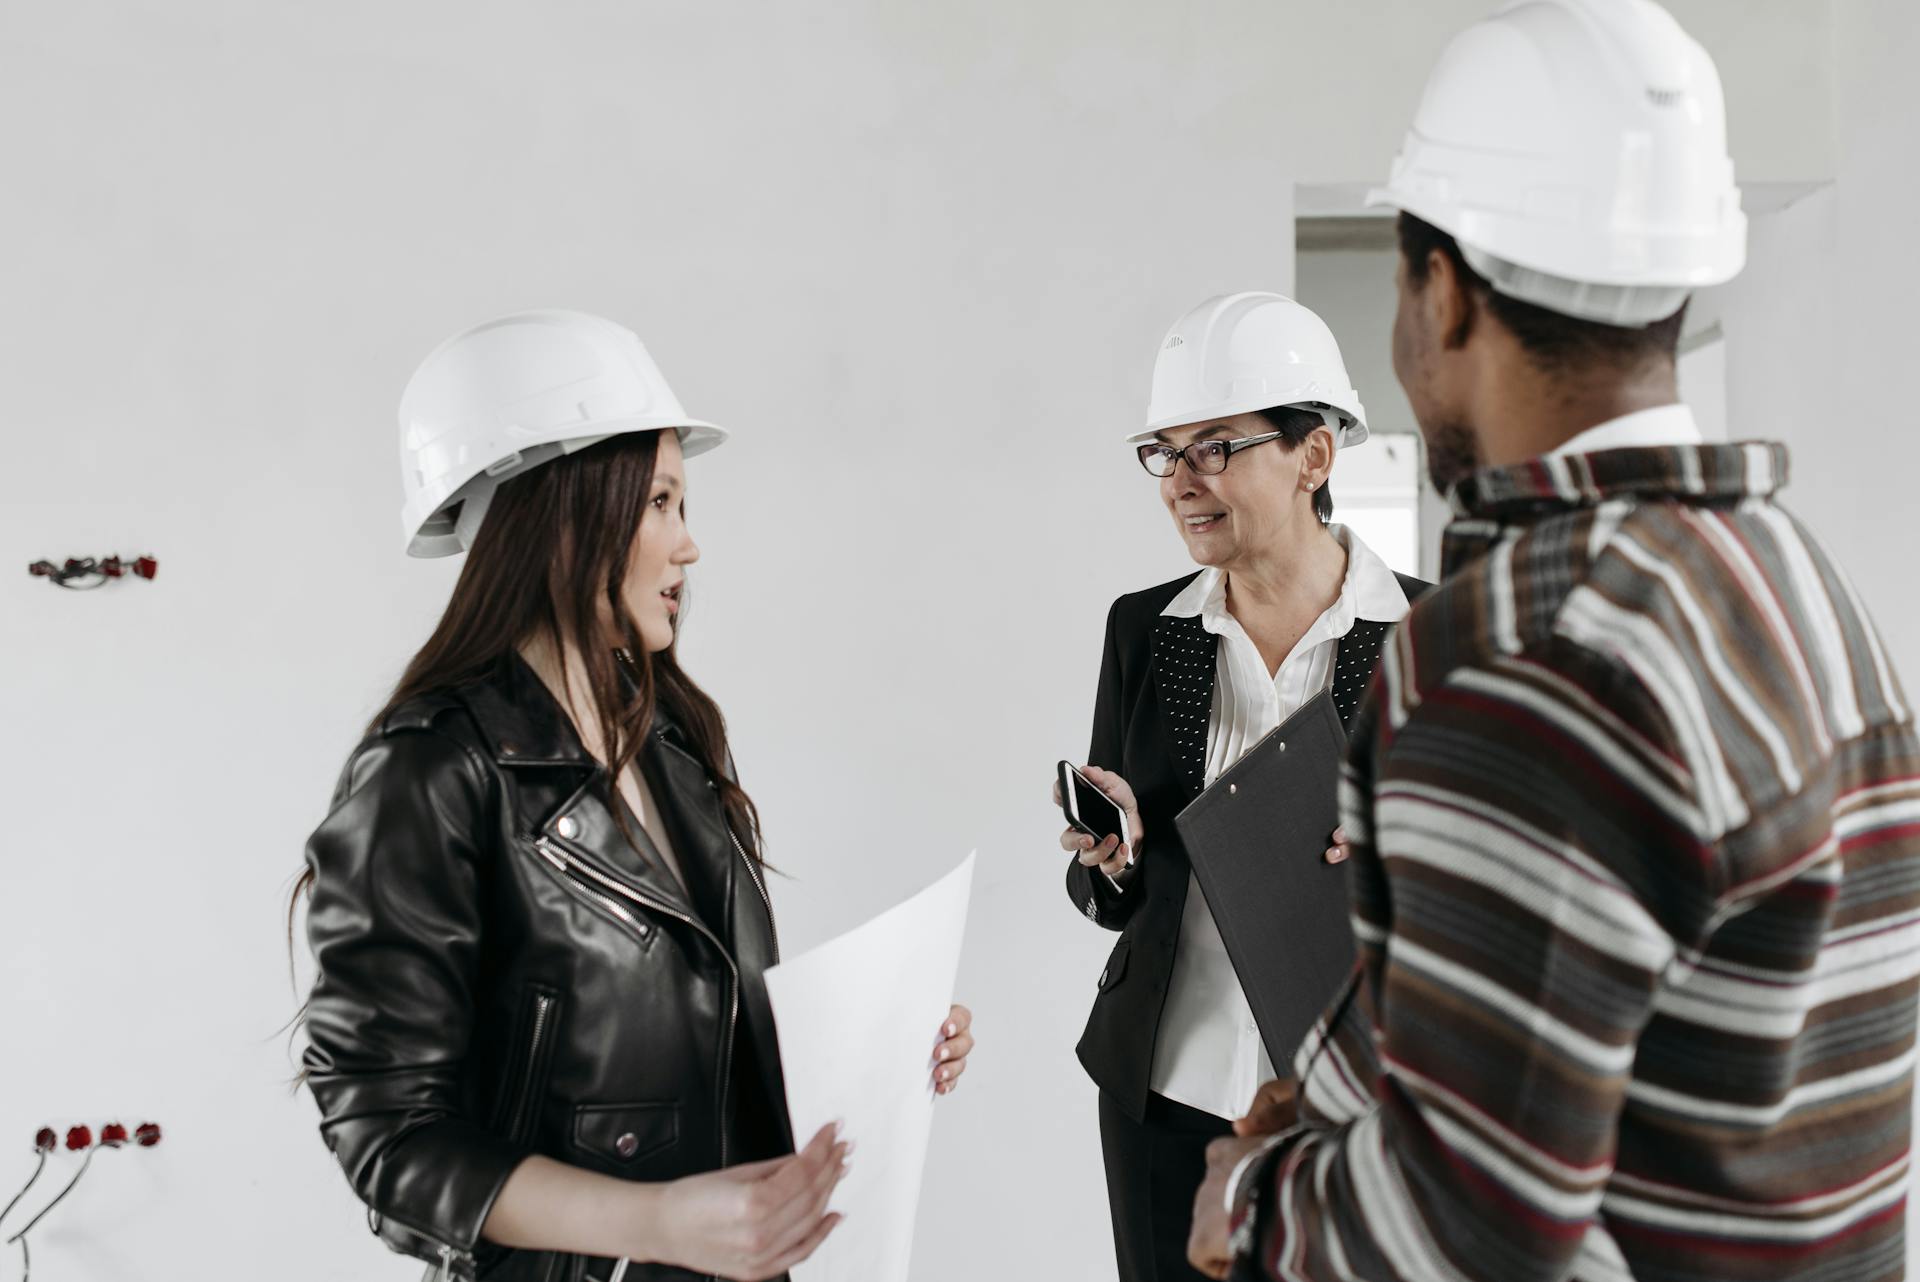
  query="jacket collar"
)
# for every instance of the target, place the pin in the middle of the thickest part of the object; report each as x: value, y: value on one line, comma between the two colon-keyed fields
x: 1694, y: 473
x: 524, y: 724
x: 1539, y: 488
x: 521, y: 720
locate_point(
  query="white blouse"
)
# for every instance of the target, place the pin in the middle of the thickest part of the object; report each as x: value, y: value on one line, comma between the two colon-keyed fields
x: 1209, y: 1054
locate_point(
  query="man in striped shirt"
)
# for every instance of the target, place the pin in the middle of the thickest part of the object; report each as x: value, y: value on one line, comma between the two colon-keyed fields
x: 1635, y: 798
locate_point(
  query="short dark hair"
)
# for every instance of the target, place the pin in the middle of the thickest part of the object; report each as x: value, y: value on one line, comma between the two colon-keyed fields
x: 1556, y: 343
x: 1295, y: 425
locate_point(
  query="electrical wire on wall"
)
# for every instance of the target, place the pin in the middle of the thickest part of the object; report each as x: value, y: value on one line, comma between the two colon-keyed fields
x: 81, y: 573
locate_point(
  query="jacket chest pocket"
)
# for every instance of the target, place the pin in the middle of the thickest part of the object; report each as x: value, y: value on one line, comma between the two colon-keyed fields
x: 622, y: 1136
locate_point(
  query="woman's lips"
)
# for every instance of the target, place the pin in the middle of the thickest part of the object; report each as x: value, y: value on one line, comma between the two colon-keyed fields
x: 1203, y: 525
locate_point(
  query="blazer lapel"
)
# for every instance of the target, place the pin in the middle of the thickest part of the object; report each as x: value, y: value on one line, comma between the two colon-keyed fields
x: 1184, y: 653
x: 1353, y: 665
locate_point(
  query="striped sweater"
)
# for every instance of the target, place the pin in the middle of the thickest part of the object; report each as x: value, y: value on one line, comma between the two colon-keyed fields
x: 1635, y: 803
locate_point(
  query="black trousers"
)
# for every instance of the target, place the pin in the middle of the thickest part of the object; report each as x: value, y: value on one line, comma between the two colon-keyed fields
x: 1154, y: 1168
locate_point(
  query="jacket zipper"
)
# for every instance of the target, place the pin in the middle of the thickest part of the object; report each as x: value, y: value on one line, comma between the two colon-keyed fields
x: 564, y: 865
x: 517, y: 1120
x: 760, y: 886
x: 575, y: 869
x: 448, y: 1253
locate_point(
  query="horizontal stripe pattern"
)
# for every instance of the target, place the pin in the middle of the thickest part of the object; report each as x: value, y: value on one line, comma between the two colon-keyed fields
x: 1635, y: 803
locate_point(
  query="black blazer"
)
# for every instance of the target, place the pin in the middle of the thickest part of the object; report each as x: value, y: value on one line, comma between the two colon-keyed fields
x: 1150, y: 725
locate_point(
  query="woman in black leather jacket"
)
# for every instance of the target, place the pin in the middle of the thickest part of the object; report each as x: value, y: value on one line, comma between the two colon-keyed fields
x: 539, y: 1033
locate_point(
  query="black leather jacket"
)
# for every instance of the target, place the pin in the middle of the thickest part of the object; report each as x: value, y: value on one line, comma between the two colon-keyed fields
x: 500, y: 974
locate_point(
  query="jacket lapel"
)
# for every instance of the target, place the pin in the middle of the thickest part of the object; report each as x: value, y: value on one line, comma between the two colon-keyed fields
x: 1353, y: 665
x: 585, y: 825
x: 1183, y: 657
x: 563, y: 792
x: 690, y: 804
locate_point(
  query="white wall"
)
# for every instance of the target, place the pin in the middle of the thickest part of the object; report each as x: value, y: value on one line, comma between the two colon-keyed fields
x: 919, y: 263
x: 1857, y: 452
x: 917, y: 257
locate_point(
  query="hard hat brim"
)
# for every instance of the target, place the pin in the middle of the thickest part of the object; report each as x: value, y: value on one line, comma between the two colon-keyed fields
x: 696, y: 437
x: 1722, y: 257
x: 1355, y: 433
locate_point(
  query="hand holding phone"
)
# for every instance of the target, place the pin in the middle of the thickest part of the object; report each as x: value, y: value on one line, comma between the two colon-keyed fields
x: 1103, y: 822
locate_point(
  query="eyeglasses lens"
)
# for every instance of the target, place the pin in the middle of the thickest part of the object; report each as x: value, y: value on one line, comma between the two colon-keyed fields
x: 1207, y: 457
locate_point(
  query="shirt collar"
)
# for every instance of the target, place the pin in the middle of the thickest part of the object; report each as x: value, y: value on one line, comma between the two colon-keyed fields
x: 1662, y: 425
x: 1493, y: 502
x: 1369, y: 591
x: 1693, y: 473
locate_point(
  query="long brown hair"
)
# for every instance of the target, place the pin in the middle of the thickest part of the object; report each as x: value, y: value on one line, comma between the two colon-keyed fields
x: 551, y: 554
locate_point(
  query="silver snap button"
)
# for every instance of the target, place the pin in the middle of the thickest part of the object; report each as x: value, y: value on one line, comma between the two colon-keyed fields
x: 568, y: 827
x: 1283, y: 745
x: 1233, y: 790
x: 627, y: 1145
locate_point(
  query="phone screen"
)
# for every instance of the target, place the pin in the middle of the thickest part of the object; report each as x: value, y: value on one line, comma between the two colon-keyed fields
x: 1095, y: 809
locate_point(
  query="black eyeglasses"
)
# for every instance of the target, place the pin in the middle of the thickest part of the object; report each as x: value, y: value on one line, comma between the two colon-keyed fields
x: 1206, y: 458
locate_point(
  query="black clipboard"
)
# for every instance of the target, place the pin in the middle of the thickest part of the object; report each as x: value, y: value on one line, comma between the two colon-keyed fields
x: 1258, y: 838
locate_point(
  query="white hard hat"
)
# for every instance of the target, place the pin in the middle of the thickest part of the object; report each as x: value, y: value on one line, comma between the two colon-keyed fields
x: 1577, y: 151
x: 504, y: 397
x: 1253, y: 351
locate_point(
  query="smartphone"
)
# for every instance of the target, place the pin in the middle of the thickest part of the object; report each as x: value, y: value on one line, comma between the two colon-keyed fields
x: 1088, y: 809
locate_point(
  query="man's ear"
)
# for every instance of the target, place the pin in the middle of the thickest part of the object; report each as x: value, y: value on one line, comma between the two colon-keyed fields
x: 1448, y: 301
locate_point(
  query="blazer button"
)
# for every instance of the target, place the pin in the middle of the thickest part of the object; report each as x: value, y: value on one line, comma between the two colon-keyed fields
x: 627, y: 1145
x: 568, y: 827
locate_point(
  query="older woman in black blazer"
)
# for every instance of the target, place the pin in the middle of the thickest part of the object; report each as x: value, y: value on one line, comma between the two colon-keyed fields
x: 1250, y: 403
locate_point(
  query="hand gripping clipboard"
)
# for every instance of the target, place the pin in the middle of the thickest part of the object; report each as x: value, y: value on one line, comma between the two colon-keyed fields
x: 1258, y: 838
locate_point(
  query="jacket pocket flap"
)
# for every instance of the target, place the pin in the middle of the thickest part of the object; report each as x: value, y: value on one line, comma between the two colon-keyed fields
x: 626, y: 1133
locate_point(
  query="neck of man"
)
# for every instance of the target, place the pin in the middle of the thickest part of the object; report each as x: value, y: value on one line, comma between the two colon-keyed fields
x: 1520, y: 411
